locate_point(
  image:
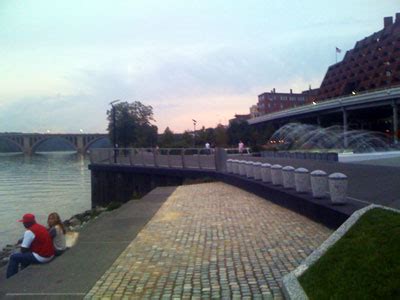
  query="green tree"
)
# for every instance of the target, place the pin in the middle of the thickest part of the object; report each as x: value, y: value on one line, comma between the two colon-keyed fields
x: 133, y: 124
x: 221, y: 136
x: 201, y: 137
x: 239, y: 131
x: 187, y: 139
x: 167, y: 139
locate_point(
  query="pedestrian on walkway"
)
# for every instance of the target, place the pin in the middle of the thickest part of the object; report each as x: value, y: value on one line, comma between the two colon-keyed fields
x: 37, y: 246
x: 241, y: 147
x: 57, y: 232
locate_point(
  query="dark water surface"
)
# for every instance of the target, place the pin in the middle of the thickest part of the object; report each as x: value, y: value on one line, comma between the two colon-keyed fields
x: 41, y: 184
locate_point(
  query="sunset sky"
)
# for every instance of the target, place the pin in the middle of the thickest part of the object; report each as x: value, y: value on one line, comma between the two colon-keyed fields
x: 62, y: 62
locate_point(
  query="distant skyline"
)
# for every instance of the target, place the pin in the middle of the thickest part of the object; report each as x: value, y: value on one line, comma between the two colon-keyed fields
x: 62, y: 62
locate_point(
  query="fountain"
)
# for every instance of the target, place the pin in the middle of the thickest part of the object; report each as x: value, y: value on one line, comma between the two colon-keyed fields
x: 306, y: 138
x: 297, y: 136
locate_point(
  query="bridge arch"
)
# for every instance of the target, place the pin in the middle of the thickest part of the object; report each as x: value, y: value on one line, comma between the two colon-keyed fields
x: 47, y: 138
x: 90, y: 143
x: 12, y: 142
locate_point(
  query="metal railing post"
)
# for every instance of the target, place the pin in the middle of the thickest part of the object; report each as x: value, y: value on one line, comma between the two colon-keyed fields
x: 183, y: 158
x: 168, y: 159
x: 110, y: 155
x: 155, y: 157
x: 198, y: 158
x: 130, y: 157
x: 142, y: 155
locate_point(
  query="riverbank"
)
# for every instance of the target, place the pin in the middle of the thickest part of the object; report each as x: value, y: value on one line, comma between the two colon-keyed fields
x: 41, y: 184
x: 72, y: 225
x: 101, y: 241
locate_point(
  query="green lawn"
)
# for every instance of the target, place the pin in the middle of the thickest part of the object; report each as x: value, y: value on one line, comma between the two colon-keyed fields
x: 363, y: 264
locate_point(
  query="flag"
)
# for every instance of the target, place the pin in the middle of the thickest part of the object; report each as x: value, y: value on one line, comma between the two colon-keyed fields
x: 338, y: 50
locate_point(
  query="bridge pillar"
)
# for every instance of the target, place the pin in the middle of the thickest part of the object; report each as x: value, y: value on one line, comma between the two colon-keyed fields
x: 26, y: 147
x: 80, y: 147
x: 395, y: 122
x: 345, y: 142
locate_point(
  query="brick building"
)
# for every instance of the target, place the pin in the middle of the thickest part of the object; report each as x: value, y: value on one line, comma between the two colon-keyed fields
x: 374, y: 63
x: 273, y: 101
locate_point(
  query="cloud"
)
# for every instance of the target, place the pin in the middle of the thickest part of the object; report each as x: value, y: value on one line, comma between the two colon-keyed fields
x: 58, y: 113
x: 211, y: 84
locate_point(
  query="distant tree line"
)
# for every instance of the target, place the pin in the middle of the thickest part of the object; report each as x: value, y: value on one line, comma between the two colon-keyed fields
x: 134, y: 129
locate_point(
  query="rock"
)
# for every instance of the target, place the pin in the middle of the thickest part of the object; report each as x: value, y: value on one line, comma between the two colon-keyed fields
x: 74, y: 222
x: 8, y: 247
x: 99, y: 209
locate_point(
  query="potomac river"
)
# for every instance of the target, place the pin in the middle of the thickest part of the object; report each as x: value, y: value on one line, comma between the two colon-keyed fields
x: 41, y: 184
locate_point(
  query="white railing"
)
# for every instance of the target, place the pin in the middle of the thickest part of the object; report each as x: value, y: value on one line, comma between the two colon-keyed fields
x: 184, y: 158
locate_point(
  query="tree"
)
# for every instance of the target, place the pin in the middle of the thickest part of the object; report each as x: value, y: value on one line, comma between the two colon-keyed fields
x: 239, y: 131
x: 167, y: 139
x: 221, y: 137
x: 132, y: 126
x: 187, y: 139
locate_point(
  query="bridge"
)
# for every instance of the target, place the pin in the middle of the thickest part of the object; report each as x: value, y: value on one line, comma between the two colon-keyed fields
x: 357, y: 111
x: 29, y: 142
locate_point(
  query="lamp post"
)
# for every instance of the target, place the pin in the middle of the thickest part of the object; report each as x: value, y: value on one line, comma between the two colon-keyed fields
x: 194, y: 132
x: 114, y: 133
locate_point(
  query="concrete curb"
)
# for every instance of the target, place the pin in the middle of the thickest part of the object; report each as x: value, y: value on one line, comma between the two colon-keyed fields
x: 290, y: 285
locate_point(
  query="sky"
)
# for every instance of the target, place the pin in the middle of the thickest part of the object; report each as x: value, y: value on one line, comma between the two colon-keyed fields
x: 62, y: 62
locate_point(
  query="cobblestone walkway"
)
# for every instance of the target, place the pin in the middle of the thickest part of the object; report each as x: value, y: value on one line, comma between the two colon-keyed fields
x: 212, y: 241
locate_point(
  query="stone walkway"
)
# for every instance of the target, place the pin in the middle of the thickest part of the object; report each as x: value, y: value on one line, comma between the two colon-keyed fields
x: 212, y: 241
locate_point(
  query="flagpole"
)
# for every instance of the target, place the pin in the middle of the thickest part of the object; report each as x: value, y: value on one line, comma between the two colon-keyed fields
x: 336, y: 54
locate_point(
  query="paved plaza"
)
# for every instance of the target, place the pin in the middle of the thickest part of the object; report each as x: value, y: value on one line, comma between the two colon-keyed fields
x: 215, y: 241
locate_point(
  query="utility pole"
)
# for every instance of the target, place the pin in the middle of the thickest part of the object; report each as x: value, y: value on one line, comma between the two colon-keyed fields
x: 194, y: 132
x: 114, y: 129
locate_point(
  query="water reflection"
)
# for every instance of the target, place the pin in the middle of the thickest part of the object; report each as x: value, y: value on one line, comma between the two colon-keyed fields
x: 41, y: 184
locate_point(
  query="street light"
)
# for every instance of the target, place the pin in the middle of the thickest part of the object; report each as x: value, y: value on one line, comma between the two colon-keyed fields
x: 114, y: 134
x: 194, y: 132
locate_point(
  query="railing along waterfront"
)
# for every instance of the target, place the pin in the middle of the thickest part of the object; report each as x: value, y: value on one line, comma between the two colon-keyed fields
x: 184, y: 158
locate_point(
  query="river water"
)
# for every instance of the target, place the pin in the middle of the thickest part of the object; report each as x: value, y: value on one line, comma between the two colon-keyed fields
x: 41, y: 184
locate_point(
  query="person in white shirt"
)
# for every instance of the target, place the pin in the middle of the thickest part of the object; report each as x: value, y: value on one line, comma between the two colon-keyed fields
x: 36, y: 247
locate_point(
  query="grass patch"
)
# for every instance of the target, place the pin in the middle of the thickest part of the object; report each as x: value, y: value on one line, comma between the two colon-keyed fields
x: 113, y: 205
x: 363, y: 264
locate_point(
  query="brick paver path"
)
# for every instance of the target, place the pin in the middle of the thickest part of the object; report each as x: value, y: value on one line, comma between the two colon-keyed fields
x: 212, y: 241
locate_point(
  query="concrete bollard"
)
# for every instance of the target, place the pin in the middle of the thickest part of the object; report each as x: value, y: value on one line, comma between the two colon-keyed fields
x: 266, y: 172
x: 288, y: 177
x: 257, y: 170
x: 276, y: 174
x: 338, y: 188
x: 319, y: 183
x: 229, y: 166
x: 302, y: 180
x: 242, y: 167
x: 235, y: 166
x: 249, y: 169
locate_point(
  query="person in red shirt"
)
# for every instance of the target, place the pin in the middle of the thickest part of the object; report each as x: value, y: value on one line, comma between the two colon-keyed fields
x: 37, y: 246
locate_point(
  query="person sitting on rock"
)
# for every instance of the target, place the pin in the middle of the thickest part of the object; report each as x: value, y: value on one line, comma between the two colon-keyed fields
x: 57, y: 232
x: 36, y: 248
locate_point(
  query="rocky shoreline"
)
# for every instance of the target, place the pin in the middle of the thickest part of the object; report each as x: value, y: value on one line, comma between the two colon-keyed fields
x: 73, y: 224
